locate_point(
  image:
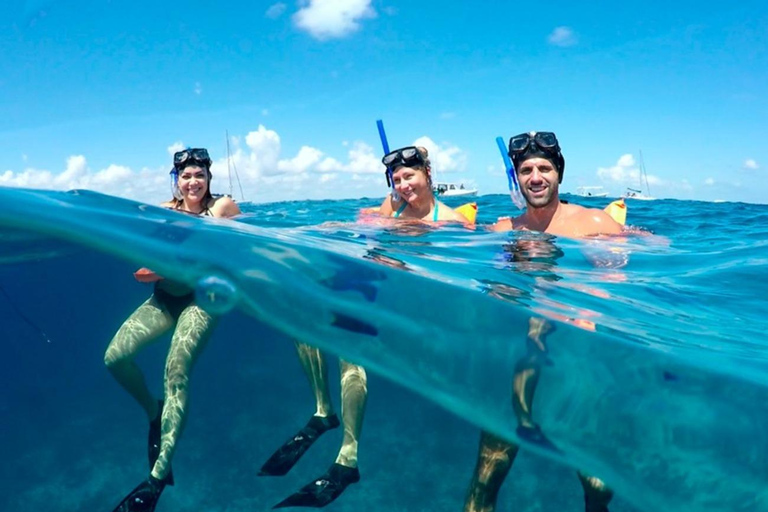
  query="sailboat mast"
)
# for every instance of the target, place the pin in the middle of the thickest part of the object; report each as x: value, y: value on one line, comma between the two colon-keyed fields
x: 645, y: 175
x: 229, y: 163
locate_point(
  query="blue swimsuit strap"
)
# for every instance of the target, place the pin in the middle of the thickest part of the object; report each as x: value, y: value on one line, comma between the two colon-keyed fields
x: 401, y: 209
x: 434, y: 217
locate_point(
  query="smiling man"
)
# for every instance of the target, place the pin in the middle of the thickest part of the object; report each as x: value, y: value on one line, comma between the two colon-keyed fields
x: 539, y: 165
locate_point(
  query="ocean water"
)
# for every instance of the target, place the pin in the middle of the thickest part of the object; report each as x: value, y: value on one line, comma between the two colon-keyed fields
x: 657, y: 375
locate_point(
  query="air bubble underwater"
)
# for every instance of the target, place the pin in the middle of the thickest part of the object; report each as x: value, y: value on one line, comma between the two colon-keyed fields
x: 216, y: 295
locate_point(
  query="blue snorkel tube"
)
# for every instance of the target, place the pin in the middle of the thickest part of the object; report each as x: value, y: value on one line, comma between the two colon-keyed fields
x: 385, y: 146
x: 175, y: 191
x: 514, y: 187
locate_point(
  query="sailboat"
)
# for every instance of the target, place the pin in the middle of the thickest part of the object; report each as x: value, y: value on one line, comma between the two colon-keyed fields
x: 633, y: 193
x: 230, y: 167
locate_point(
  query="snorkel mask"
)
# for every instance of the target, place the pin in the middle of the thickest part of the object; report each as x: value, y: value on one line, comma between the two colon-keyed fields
x: 537, y: 145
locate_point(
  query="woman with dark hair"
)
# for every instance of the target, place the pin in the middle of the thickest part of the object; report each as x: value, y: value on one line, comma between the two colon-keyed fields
x: 171, y: 305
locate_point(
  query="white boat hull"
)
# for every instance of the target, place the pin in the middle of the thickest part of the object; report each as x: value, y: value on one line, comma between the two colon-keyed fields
x: 591, y: 192
x: 458, y: 193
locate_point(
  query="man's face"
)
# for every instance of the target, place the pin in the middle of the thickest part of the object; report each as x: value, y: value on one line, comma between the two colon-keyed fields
x: 539, y: 181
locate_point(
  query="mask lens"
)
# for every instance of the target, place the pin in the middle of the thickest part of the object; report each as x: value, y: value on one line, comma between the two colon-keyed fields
x: 411, y: 156
x: 546, y: 139
x: 200, y: 154
x: 389, y: 159
x: 519, y: 143
x: 180, y: 157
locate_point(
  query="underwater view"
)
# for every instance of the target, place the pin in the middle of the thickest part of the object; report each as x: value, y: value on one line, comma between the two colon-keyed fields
x: 652, y: 373
x: 226, y: 287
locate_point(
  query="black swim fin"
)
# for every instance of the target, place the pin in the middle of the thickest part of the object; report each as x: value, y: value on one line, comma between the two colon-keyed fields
x: 144, y: 497
x: 289, y: 454
x: 534, y: 435
x: 324, y: 490
x: 153, y: 443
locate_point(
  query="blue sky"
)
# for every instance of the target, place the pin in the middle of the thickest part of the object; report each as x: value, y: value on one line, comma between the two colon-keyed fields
x: 96, y: 94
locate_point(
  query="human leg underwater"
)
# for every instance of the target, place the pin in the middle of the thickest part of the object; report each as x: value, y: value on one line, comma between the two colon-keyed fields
x: 343, y: 472
x: 496, y: 455
x: 192, y: 332
x: 316, y: 369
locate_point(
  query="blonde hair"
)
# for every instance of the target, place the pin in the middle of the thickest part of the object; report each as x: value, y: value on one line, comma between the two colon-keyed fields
x: 427, y: 168
x: 425, y: 155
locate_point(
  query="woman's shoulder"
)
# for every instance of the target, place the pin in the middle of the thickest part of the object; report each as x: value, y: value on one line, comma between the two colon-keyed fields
x: 223, y: 206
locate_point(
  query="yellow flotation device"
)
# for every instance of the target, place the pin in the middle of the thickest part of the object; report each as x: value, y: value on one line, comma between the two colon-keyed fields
x: 618, y: 211
x: 469, y: 210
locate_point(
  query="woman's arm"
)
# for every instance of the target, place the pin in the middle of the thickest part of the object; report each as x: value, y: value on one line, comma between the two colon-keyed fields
x: 386, y: 208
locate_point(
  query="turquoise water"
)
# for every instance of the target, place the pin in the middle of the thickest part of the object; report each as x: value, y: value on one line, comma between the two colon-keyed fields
x: 657, y: 381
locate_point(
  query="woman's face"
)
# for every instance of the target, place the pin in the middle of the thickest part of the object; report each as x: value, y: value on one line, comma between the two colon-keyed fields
x: 193, y: 183
x: 411, y: 183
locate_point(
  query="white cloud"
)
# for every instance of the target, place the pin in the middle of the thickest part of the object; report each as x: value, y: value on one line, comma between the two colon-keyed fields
x: 306, y: 159
x: 175, y: 148
x: 265, y: 152
x: 198, y: 88
x: 257, y: 159
x: 562, y: 36
x: 76, y: 169
x: 627, y: 160
x: 751, y: 164
x: 626, y: 172
x: 709, y: 182
x: 329, y: 19
x: 363, y: 160
x: 496, y: 170
x: 275, y: 10
x: 147, y: 184
x: 327, y: 177
x: 444, y: 159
